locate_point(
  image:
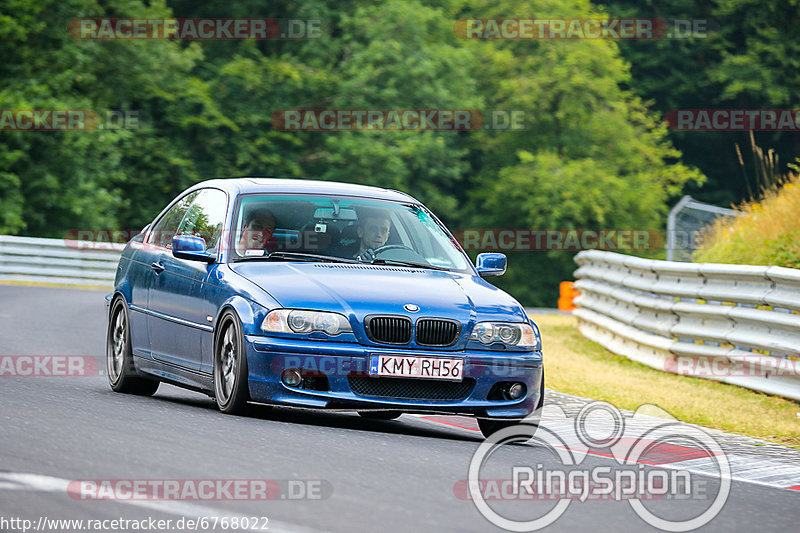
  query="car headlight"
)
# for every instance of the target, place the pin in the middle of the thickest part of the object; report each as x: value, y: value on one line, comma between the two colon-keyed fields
x: 300, y: 321
x: 508, y: 333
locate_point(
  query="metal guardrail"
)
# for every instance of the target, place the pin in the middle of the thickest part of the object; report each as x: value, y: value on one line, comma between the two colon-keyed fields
x: 734, y: 323
x: 59, y: 261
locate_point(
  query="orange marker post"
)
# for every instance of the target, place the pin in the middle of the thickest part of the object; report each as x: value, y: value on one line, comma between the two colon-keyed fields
x: 567, y: 293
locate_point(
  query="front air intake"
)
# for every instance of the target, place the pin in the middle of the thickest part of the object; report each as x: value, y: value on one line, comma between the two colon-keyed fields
x: 411, y: 388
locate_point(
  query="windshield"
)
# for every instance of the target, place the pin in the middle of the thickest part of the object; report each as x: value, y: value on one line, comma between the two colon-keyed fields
x: 284, y: 227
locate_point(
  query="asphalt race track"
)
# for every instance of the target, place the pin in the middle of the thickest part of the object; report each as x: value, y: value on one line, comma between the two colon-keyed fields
x: 335, y: 471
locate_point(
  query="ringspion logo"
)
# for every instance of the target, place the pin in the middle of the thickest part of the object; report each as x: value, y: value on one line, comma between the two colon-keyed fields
x: 631, y: 441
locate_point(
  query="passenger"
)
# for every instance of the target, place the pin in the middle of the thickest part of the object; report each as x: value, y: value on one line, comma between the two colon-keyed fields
x: 373, y: 232
x: 257, y: 231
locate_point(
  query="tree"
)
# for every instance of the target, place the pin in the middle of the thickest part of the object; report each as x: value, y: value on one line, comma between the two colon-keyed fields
x: 747, y: 59
x: 592, y: 154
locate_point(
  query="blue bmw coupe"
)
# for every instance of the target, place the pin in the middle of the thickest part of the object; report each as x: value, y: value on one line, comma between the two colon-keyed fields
x: 319, y: 295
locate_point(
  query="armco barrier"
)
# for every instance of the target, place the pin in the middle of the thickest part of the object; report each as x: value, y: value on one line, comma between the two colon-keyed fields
x: 735, y: 323
x: 58, y: 261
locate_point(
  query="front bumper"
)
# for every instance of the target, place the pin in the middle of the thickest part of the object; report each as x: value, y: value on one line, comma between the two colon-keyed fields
x: 267, y: 357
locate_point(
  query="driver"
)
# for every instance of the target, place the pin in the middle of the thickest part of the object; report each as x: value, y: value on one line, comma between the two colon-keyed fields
x: 373, y: 232
x: 257, y: 231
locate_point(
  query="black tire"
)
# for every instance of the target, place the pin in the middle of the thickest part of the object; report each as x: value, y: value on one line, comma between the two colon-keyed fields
x: 231, y: 390
x: 122, y: 375
x: 489, y: 426
x: 380, y: 415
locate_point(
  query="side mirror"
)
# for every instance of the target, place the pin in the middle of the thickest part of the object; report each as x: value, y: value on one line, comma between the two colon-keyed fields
x: 191, y: 248
x: 489, y: 265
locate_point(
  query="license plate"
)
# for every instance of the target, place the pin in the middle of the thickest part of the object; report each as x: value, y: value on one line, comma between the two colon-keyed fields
x: 416, y: 367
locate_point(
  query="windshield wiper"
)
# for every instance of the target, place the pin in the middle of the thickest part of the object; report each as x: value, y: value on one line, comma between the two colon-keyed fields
x: 297, y: 255
x: 333, y: 259
x: 406, y: 263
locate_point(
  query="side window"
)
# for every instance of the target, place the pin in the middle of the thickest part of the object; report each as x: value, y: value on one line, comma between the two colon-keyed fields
x: 165, y: 229
x: 205, y: 217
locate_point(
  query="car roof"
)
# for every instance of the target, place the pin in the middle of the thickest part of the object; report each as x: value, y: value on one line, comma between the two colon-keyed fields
x: 256, y: 184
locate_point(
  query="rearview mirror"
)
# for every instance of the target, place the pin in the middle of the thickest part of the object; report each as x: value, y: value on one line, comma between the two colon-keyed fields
x: 490, y: 264
x: 191, y: 248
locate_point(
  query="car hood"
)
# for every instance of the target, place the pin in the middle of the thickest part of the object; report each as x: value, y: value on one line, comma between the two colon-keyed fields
x: 362, y: 290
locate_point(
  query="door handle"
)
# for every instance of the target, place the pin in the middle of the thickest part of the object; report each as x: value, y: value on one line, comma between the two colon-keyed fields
x: 157, y: 267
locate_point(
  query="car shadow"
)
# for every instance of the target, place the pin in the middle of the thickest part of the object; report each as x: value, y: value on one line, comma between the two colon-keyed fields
x: 405, y: 425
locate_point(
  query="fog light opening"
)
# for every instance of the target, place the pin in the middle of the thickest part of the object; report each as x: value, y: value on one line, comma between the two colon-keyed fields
x: 516, y: 391
x: 291, y: 377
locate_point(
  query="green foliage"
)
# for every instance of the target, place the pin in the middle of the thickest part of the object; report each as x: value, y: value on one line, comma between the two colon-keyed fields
x: 592, y: 154
x: 58, y: 181
x: 748, y: 59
